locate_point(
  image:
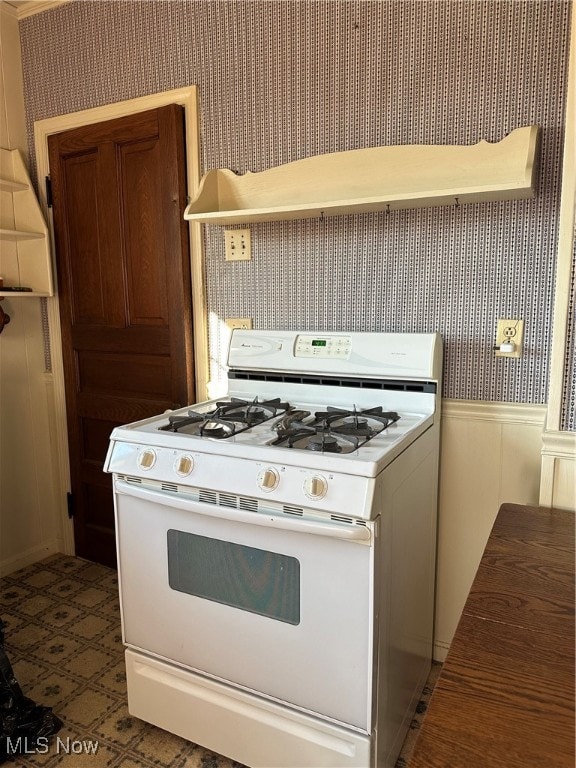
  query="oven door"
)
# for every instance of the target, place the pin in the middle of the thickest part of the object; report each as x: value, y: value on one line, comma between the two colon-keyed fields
x: 277, y: 605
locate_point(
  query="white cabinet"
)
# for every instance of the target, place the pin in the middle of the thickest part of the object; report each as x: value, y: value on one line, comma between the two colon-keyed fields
x: 25, y: 261
x: 373, y: 179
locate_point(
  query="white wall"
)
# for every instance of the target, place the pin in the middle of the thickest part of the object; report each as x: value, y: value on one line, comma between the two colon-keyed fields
x: 29, y: 520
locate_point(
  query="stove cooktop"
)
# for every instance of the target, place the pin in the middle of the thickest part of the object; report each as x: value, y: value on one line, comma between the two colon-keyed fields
x: 331, y: 430
x: 295, y: 432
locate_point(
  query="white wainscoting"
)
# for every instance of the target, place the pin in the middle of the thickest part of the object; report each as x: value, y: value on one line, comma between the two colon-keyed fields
x: 30, y: 506
x: 558, y: 487
x: 490, y: 454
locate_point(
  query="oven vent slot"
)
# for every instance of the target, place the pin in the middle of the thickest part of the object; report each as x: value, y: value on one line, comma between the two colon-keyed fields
x: 396, y: 385
x: 292, y: 510
x: 227, y: 500
x: 341, y: 519
x: 208, y: 497
x: 349, y: 520
x: 169, y: 487
x: 135, y: 480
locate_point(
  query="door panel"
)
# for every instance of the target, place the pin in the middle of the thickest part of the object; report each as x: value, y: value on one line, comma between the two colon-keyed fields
x: 147, y: 296
x: 123, y: 374
x: 95, y: 435
x: 83, y: 237
x: 123, y: 266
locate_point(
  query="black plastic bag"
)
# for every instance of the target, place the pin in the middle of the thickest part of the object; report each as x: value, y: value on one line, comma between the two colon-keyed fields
x: 24, y: 725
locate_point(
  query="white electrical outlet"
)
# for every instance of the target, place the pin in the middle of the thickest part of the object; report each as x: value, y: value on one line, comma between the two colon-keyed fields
x: 509, y: 335
x: 237, y: 245
x: 239, y: 322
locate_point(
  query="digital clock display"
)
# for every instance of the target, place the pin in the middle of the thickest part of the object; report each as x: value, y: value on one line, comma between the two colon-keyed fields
x: 318, y: 342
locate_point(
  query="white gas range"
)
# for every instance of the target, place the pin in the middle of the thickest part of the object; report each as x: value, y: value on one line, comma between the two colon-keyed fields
x: 276, y: 550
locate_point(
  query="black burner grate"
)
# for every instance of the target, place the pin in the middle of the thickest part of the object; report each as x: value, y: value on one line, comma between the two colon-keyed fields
x: 228, y: 418
x: 332, y: 431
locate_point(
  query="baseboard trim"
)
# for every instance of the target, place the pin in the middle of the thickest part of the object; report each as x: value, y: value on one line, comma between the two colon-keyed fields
x: 30, y: 556
x: 440, y: 651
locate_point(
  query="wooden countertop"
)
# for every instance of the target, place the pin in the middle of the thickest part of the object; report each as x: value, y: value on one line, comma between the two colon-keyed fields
x: 505, y: 696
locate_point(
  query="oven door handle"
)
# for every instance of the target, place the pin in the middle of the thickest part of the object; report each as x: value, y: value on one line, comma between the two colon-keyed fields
x: 336, y: 530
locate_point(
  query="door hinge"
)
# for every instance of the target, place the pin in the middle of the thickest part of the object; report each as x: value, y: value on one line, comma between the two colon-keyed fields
x: 70, y: 503
x: 49, y: 191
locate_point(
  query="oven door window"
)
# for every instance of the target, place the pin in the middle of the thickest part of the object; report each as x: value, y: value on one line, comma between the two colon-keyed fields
x: 254, y: 580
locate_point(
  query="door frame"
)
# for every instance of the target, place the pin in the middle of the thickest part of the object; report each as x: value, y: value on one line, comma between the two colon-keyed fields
x: 188, y: 99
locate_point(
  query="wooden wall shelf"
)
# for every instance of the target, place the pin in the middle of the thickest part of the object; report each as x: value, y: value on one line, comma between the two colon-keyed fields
x: 374, y: 179
x: 24, y: 240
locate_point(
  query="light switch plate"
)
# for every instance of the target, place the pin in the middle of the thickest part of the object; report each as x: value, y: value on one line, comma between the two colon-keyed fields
x: 237, y: 246
x: 239, y: 322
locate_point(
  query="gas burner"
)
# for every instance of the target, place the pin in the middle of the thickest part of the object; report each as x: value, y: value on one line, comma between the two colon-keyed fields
x: 332, y: 431
x: 329, y: 442
x: 323, y: 441
x: 314, y: 437
x: 217, y: 428
x: 358, y: 422
x: 251, y: 411
x: 228, y: 418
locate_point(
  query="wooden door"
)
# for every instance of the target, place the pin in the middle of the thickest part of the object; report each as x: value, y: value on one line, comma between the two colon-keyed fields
x: 122, y: 253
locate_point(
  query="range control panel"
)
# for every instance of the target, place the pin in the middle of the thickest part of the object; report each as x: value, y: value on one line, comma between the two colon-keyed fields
x: 237, y: 478
x: 338, y: 347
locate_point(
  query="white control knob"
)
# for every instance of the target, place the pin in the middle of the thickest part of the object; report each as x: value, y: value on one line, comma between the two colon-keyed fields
x: 146, y: 459
x: 315, y: 487
x: 184, y: 465
x: 268, y: 479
